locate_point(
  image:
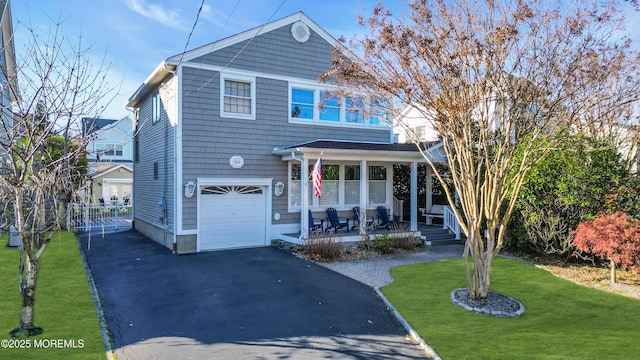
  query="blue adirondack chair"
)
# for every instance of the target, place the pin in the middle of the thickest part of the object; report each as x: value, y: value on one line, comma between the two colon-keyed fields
x: 383, y: 217
x: 356, y: 218
x: 314, y: 225
x: 334, y: 221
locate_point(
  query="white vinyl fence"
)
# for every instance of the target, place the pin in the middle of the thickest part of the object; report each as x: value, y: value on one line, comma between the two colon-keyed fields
x: 96, y: 217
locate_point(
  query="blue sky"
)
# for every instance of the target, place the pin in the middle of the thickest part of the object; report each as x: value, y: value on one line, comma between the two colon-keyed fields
x: 136, y: 35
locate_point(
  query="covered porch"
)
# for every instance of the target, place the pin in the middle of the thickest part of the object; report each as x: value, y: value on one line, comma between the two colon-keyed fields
x: 355, y: 174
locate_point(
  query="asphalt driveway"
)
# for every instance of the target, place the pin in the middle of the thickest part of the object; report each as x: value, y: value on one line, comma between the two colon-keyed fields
x: 258, y: 303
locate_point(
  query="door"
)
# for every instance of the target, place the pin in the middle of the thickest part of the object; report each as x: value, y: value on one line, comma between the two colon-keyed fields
x: 232, y: 217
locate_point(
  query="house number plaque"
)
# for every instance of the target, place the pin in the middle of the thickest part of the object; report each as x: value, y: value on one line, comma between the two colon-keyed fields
x: 236, y: 162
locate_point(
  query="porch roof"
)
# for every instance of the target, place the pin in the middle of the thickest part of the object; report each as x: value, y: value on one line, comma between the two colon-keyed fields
x: 350, y: 150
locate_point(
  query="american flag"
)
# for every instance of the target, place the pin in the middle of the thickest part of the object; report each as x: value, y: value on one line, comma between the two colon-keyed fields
x: 316, y: 176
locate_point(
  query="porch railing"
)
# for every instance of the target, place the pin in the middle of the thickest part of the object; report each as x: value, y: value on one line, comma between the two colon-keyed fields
x: 90, y: 217
x: 398, y: 208
x: 450, y: 221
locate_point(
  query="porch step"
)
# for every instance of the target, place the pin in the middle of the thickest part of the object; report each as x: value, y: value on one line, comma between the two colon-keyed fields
x: 436, y: 235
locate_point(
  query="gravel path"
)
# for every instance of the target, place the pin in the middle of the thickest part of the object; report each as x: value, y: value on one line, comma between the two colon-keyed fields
x: 376, y: 272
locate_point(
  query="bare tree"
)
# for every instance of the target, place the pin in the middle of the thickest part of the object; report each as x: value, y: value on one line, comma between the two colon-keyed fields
x: 498, y: 80
x: 42, y: 146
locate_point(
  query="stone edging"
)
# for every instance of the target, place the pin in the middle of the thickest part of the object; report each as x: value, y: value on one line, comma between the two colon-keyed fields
x: 97, y: 303
x: 483, y: 310
x: 414, y: 335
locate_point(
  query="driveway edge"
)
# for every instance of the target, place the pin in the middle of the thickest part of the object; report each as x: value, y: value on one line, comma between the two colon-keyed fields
x: 414, y: 335
x: 97, y: 303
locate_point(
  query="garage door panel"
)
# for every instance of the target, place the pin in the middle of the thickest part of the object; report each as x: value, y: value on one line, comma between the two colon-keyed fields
x: 232, y: 217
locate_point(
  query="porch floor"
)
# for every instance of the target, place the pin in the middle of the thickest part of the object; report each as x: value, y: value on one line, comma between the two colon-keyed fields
x: 432, y: 234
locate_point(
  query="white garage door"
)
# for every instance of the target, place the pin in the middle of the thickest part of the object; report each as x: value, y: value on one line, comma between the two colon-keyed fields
x: 232, y: 217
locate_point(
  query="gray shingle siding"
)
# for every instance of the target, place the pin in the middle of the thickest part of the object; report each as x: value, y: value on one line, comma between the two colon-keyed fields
x: 209, y: 141
x: 278, y: 53
x: 156, y: 144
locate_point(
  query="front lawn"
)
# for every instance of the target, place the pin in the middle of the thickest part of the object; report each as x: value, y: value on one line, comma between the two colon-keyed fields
x: 562, y: 320
x: 64, y: 306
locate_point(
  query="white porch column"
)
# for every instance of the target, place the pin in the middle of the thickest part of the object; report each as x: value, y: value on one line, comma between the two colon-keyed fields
x: 304, y: 198
x: 414, y: 196
x: 429, y: 193
x: 364, y: 190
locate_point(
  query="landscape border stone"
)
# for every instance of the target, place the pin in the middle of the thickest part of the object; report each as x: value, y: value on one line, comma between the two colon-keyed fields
x: 496, y: 304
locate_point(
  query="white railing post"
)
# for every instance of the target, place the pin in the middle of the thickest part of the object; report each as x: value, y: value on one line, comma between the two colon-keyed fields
x: 86, y: 217
x: 450, y: 221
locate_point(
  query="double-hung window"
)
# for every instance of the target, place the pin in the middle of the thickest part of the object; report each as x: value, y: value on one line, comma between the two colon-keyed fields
x: 302, y: 101
x: 237, y: 97
x: 340, y: 186
x: 318, y: 104
x: 330, y: 185
x: 108, y: 150
x: 377, y: 185
x: 329, y: 107
x: 354, y: 111
x: 352, y: 184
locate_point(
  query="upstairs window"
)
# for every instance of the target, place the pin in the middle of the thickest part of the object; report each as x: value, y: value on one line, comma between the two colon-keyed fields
x: 155, y: 110
x: 314, y: 103
x: 354, y: 110
x: 330, y: 107
x: 302, y: 103
x: 108, y: 150
x: 238, y: 98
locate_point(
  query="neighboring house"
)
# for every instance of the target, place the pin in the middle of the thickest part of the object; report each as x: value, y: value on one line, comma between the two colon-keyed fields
x: 8, y: 78
x: 110, y: 159
x: 227, y: 135
x: 411, y: 124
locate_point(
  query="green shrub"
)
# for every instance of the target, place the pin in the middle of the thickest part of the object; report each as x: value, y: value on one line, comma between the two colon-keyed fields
x: 626, y: 197
x: 404, y: 242
x: 323, y: 247
x: 403, y: 238
x: 569, y: 186
x: 383, y: 243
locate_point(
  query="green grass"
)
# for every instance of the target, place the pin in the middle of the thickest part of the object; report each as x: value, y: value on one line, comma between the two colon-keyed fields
x: 562, y: 320
x: 64, y: 306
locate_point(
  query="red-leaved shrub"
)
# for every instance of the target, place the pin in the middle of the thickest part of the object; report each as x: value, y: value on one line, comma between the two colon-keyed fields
x: 615, y: 237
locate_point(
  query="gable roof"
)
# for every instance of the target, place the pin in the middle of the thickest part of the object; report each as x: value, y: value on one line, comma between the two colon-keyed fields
x: 109, y: 170
x: 91, y: 125
x: 251, y: 33
x: 169, y: 66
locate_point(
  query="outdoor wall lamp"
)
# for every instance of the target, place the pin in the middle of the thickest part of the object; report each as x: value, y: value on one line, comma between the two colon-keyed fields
x: 278, y: 188
x: 189, y: 189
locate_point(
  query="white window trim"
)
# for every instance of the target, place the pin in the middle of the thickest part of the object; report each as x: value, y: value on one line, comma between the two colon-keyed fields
x: 108, y: 147
x: 317, y: 89
x: 240, y: 78
x: 314, y: 204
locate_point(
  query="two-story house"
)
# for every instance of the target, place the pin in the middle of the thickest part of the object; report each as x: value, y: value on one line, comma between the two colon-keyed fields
x: 226, y: 136
x: 109, y: 158
x: 8, y: 78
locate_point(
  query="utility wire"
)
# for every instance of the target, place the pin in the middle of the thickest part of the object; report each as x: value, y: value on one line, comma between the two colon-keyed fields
x: 195, y: 73
x: 190, y: 33
x: 229, y: 18
x: 241, y: 50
